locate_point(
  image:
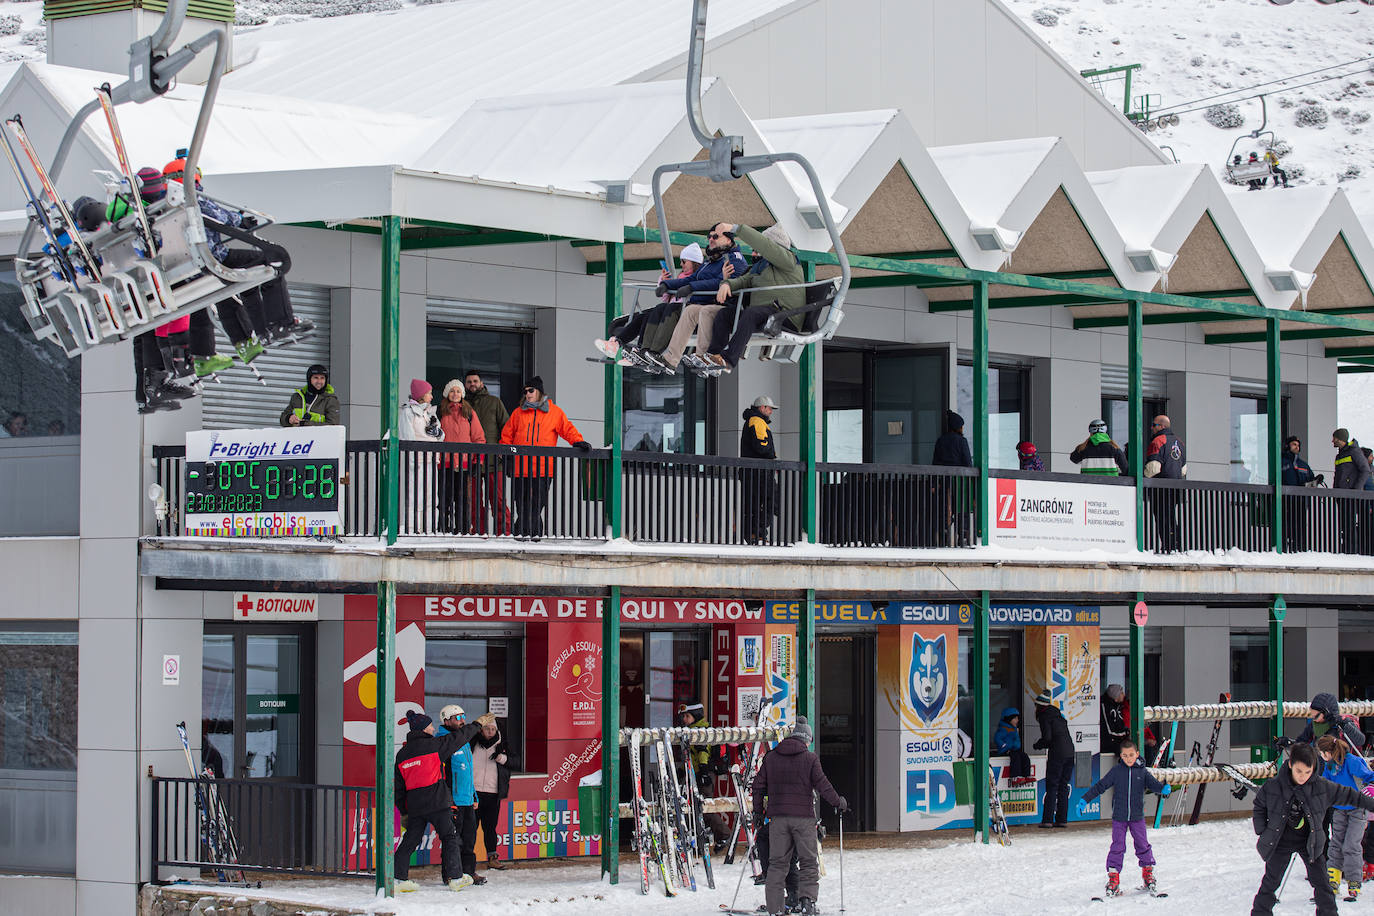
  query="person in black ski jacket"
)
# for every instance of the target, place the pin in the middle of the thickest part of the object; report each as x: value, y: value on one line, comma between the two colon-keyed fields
x: 1114, y: 729
x: 759, y: 487
x: 788, y: 777
x: 1288, y: 814
x: 314, y: 405
x: 1326, y: 710
x: 951, y: 507
x: 1054, y: 737
x: 423, y: 797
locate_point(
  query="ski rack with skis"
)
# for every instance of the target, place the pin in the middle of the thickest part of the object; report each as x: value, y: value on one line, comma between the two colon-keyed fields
x: 820, y: 317
x: 1247, y: 709
x: 743, y: 734
x: 121, y: 288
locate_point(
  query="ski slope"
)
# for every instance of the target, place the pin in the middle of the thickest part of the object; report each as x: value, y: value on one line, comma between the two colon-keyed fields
x: 1211, y: 868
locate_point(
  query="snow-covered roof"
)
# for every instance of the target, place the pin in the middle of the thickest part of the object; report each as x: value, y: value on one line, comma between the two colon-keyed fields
x: 454, y: 54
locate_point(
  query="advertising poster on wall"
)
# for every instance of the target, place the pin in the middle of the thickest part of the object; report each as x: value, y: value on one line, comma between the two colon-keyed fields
x: 780, y: 685
x: 918, y: 704
x: 1062, y: 515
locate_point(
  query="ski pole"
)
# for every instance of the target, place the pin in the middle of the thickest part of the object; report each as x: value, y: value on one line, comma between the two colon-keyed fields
x: 1278, y: 898
x: 841, y: 861
x: 748, y: 854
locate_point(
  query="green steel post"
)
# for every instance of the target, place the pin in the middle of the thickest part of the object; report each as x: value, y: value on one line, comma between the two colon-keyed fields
x: 1275, y: 419
x: 1278, y: 610
x: 1135, y: 439
x: 615, y: 391
x: 1136, y: 679
x: 806, y: 662
x: 808, y: 426
x: 982, y: 715
x: 1126, y: 109
x: 980, y: 404
x: 610, y: 737
x: 384, y: 828
x: 389, y: 485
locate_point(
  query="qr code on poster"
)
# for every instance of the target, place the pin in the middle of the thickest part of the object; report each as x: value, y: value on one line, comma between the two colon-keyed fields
x: 750, y: 701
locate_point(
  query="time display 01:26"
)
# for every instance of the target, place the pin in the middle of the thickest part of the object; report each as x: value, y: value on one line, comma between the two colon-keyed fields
x: 260, y: 486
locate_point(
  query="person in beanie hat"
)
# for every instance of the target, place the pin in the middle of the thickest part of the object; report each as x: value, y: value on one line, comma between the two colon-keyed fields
x: 152, y: 184
x: 723, y: 261
x: 423, y: 798
x: 419, y: 420
x: 1054, y: 737
x: 951, y: 450
x: 787, y: 779
x: 1352, y: 473
x: 653, y: 325
x: 314, y: 405
x: 458, y: 488
x: 538, y: 422
x: 759, y: 488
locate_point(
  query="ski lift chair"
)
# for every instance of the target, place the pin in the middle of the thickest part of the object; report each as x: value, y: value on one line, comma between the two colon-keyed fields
x: 137, y: 289
x: 1244, y: 172
x: 824, y: 308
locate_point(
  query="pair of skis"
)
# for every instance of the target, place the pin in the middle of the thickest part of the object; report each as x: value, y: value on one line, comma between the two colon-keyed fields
x: 999, y: 818
x: 668, y: 828
x: 216, y: 830
x: 649, y: 840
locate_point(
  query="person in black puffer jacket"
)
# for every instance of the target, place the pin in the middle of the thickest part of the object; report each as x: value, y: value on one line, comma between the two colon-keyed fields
x: 1326, y: 710
x: 1054, y: 737
x: 1288, y: 814
x: 790, y: 773
x: 423, y: 797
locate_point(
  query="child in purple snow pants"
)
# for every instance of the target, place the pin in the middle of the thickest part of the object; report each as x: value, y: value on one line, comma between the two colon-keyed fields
x: 1130, y: 780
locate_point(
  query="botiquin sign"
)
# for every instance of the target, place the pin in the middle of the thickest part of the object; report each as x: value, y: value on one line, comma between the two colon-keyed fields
x: 1061, y: 515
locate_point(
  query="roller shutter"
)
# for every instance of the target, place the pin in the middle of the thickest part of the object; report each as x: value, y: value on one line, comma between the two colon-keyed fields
x: 1116, y: 382
x: 238, y: 400
x: 1117, y: 640
x: 497, y: 315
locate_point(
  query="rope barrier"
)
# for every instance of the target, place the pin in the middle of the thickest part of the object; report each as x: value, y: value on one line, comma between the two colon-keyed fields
x: 1190, y: 776
x: 711, y: 735
x: 1246, y: 709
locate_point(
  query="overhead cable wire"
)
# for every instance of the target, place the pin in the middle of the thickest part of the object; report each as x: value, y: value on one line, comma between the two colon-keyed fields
x: 1284, y: 79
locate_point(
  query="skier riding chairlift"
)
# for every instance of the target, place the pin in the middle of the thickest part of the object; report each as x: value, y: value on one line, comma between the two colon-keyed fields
x: 820, y: 316
x: 81, y: 291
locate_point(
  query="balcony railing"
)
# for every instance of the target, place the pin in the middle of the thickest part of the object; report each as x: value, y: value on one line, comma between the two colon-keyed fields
x: 270, y: 826
x: 481, y: 491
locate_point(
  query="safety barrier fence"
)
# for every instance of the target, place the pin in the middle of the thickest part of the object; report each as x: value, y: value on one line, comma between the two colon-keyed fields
x: 292, y: 828
x: 458, y: 491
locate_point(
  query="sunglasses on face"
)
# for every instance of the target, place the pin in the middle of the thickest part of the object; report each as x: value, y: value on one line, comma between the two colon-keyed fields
x: 531, y: 390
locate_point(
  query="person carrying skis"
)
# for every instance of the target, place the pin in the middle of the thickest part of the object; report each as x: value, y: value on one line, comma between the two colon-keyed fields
x: 1130, y: 780
x: 1007, y: 742
x: 316, y: 404
x: 1326, y: 711
x: 1054, y: 737
x: 1346, y: 849
x: 788, y: 777
x: 1288, y: 814
x: 423, y: 798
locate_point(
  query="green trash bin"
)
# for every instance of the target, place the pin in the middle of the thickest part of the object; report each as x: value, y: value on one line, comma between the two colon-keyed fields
x: 963, y: 782
x: 591, y: 816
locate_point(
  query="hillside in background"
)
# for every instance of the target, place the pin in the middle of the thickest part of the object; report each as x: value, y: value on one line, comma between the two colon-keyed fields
x: 1316, y: 59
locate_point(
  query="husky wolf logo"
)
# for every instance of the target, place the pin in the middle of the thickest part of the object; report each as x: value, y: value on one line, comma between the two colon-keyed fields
x: 928, y: 680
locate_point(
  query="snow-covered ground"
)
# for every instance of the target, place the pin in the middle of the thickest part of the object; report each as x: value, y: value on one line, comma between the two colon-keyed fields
x: 1210, y: 868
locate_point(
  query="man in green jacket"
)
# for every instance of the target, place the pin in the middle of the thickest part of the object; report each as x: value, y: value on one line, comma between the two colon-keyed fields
x: 314, y: 405
x: 493, y: 415
x: 780, y: 268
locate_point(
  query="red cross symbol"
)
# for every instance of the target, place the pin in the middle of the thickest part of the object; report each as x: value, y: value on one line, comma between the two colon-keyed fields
x: 244, y: 604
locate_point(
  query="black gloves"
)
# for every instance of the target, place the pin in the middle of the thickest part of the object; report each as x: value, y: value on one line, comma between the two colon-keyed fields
x: 843, y: 806
x: 661, y: 290
x: 1283, y: 742
x: 248, y: 222
x: 583, y: 446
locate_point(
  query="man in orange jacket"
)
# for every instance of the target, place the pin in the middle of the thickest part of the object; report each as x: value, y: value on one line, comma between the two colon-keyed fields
x: 538, y: 421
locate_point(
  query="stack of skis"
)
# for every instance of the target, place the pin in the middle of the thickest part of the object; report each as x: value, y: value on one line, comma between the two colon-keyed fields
x: 217, y: 839
x: 670, y: 832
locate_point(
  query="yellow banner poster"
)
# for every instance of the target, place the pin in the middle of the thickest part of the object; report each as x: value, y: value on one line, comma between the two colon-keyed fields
x: 918, y: 719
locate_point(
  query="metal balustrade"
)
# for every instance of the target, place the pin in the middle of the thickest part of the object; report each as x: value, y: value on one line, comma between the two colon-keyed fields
x: 452, y: 491
x: 293, y: 828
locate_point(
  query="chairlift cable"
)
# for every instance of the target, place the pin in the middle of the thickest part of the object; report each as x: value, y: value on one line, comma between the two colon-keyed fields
x: 1177, y: 108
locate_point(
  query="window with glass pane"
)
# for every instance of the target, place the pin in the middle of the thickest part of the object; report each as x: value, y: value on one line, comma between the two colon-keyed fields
x: 469, y: 671
x: 217, y: 704
x: 668, y: 413
x: 1249, y: 440
x: 843, y: 397
x: 272, y: 709
x: 1004, y: 676
x: 40, y: 387
x: 1008, y: 411
x: 674, y: 674
x: 1249, y: 681
x: 908, y: 406
x: 502, y: 357
x: 1117, y: 413
x: 38, y: 689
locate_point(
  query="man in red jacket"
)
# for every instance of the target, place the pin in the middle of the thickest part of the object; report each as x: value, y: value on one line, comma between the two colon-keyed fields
x: 424, y: 798
x: 789, y: 775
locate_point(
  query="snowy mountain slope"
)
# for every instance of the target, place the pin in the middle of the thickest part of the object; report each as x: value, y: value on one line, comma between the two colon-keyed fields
x: 1195, y: 49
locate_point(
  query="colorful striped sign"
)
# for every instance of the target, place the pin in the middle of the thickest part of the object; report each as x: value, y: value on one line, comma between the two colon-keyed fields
x: 548, y: 827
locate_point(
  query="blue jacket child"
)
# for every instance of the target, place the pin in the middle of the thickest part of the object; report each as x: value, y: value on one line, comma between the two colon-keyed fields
x: 460, y: 766
x: 1007, y: 738
x: 1131, y: 783
x: 1353, y: 768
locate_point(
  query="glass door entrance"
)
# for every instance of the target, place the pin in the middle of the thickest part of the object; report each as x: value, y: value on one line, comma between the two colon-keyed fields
x: 257, y: 703
x: 845, y: 665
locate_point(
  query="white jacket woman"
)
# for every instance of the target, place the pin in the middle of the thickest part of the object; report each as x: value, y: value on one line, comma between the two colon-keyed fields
x: 419, y: 420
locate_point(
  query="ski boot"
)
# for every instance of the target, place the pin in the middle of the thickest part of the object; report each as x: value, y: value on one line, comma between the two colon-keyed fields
x: 293, y: 331
x: 406, y: 885
x: 1147, y: 877
x: 249, y: 349
x: 457, y: 884
x: 1352, y: 891
x: 1333, y: 878
x: 156, y: 401
x: 208, y: 366
x: 176, y: 387
x: 1368, y: 870
x: 1113, y: 883
x: 807, y: 907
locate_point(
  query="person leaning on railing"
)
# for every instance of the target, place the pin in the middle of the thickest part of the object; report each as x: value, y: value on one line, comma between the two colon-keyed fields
x: 539, y: 422
x: 315, y: 404
x: 758, y: 490
x: 1352, y: 473
x: 1165, y: 458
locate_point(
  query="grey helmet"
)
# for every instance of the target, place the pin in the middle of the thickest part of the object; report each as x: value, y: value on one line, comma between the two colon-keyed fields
x: 1097, y: 426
